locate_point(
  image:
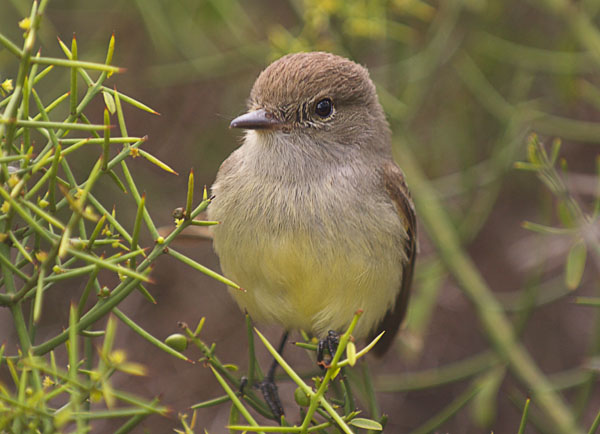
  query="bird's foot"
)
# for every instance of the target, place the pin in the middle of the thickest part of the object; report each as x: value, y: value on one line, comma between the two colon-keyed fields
x: 268, y: 388
x: 331, y: 342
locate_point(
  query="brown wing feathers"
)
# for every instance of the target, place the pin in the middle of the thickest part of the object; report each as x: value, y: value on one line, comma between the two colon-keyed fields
x: 399, y: 194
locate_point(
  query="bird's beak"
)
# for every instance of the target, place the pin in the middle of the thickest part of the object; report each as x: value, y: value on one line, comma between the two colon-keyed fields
x: 256, y: 120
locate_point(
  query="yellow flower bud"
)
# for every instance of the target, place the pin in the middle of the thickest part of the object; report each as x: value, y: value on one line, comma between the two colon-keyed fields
x: 7, y: 85
x: 25, y: 23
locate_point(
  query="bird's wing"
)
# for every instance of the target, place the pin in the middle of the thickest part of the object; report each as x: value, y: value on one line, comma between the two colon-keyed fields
x: 395, y: 186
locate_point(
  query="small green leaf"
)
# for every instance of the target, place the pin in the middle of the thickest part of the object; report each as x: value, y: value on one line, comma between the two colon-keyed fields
x: 110, y: 102
x: 351, y: 353
x: 110, y: 52
x: 361, y: 422
x: 190, y: 195
x: 575, y: 264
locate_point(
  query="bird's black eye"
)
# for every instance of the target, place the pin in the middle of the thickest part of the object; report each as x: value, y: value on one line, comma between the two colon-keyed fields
x: 324, y: 107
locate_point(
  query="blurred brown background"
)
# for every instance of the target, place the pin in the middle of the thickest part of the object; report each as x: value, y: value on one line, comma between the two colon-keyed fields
x: 463, y: 83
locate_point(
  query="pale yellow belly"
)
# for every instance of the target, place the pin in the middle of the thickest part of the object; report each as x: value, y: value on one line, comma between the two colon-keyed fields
x: 299, y: 283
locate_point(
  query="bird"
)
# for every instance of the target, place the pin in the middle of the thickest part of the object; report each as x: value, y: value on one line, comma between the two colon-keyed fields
x: 316, y: 219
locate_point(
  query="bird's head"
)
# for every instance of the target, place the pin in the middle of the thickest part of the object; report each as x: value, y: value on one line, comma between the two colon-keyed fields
x: 317, y: 95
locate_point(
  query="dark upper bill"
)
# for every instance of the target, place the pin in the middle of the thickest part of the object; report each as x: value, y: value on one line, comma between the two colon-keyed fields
x: 255, y: 120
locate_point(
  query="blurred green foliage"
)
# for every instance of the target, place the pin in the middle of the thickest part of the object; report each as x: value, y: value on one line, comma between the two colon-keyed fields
x: 464, y: 83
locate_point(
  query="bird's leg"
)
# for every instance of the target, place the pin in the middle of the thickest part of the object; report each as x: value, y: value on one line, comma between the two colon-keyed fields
x: 243, y: 384
x: 268, y: 387
x: 331, y: 342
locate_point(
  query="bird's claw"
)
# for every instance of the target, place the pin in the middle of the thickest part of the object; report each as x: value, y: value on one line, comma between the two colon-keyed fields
x: 331, y: 342
x: 268, y: 388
